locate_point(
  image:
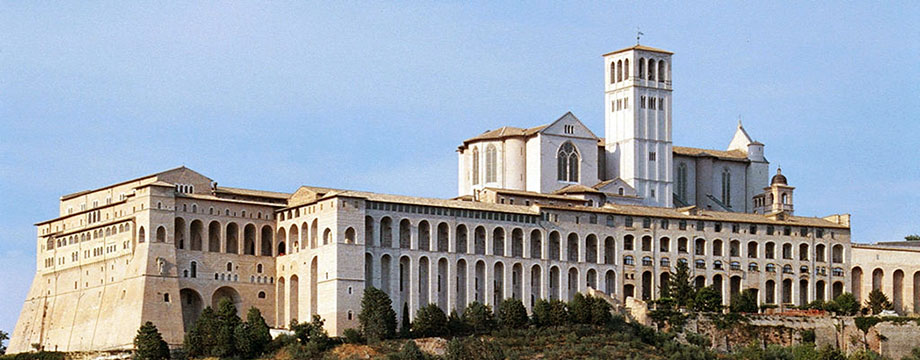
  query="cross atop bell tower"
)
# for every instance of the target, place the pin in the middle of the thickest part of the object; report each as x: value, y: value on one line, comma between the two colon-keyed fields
x: 637, y: 100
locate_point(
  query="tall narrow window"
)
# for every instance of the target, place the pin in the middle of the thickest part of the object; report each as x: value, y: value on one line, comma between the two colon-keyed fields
x: 626, y: 69
x: 490, y: 164
x: 682, y: 182
x: 620, y: 70
x: 475, y: 166
x: 567, y: 163
x: 613, y: 72
x: 726, y: 188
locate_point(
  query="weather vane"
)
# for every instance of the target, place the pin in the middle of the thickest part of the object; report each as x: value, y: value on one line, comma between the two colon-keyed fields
x: 638, y: 34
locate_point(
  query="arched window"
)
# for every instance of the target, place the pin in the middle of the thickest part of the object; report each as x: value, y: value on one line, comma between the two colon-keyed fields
x: 661, y: 71
x: 194, y: 269
x: 475, y: 166
x: 613, y: 72
x: 141, y: 236
x: 491, y: 164
x: 651, y: 69
x: 567, y: 163
x: 682, y: 182
x: 641, y: 68
x: 229, y: 266
x: 626, y: 69
x: 726, y: 188
x: 620, y: 70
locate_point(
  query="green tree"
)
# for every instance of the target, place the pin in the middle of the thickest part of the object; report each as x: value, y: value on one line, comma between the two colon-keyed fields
x: 745, y: 302
x: 579, y: 309
x: 430, y: 321
x: 405, y: 328
x: 312, y: 334
x: 512, y: 314
x: 149, y: 344
x: 864, y: 323
x: 478, y: 318
x: 377, y: 318
x: 455, y: 324
x: 707, y: 299
x: 550, y: 313
x: 3, y: 337
x: 666, y: 313
x: 252, y: 336
x: 846, y: 304
x: 877, y: 301
x: 600, y: 311
x: 227, y: 322
x: 203, y: 336
x: 679, y: 285
x: 913, y: 237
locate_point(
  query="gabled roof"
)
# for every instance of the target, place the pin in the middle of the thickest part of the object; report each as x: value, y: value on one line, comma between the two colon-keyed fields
x: 505, y: 132
x: 250, y: 192
x: 577, y: 189
x: 73, y: 195
x: 640, y: 47
x: 730, y: 155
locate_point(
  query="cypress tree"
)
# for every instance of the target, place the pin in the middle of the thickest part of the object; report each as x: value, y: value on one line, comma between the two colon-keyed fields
x: 377, y: 318
x: 405, y: 329
x: 149, y: 344
x: 227, y: 322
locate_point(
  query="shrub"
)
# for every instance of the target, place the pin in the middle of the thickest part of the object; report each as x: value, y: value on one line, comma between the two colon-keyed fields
x: 745, y: 302
x: 149, y: 344
x: 473, y: 348
x: 550, y: 313
x: 312, y: 334
x: 353, y: 336
x: 377, y: 317
x: 39, y: 355
x: 877, y: 301
x: 455, y: 325
x: 512, y: 314
x: 478, y: 318
x: 429, y: 321
x: 707, y: 299
x: 846, y: 304
x: 410, y: 351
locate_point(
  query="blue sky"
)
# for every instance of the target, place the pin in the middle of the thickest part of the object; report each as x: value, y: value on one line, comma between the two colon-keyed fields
x: 376, y: 96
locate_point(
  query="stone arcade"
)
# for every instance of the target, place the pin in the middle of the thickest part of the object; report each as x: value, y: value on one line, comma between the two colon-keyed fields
x: 542, y: 212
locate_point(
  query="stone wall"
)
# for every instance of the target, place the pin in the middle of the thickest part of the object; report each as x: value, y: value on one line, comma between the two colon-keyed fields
x: 893, y: 338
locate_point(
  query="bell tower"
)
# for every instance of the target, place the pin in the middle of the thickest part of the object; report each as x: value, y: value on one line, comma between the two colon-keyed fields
x: 637, y: 98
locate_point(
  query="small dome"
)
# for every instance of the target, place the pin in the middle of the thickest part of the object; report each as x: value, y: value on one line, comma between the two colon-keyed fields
x: 779, y: 178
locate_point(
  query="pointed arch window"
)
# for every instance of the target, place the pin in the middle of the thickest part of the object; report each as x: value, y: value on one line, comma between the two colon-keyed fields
x: 567, y: 163
x: 682, y: 182
x: 490, y: 164
x: 475, y: 166
x: 726, y: 188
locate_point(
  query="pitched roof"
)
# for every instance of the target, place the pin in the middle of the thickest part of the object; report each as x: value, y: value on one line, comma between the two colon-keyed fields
x: 640, y: 47
x: 731, y: 155
x: 251, y: 192
x: 78, y: 193
x: 577, y: 189
x: 505, y: 132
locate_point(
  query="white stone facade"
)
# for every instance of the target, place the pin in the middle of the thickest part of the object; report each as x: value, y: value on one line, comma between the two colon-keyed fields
x: 164, y: 246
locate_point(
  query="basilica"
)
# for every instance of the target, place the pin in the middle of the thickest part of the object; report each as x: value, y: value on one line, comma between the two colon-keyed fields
x: 543, y: 211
